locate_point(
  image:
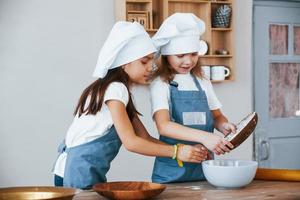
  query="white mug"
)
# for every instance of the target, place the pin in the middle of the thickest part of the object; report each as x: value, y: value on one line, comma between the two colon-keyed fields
x: 219, y: 73
x: 206, y: 71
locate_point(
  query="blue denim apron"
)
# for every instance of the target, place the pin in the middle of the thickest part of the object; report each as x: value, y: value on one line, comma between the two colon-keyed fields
x: 185, y: 108
x: 87, y: 164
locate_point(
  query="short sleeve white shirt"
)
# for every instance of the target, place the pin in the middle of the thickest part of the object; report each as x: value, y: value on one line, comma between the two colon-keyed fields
x: 87, y: 128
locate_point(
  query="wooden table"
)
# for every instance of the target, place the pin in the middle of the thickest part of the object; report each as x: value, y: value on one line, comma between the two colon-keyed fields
x: 203, y: 190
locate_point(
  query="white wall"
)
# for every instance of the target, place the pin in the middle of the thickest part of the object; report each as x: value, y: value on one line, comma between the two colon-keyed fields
x: 48, y: 50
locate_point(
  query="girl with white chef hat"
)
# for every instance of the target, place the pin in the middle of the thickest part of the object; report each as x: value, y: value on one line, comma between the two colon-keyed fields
x: 105, y: 116
x: 184, y: 105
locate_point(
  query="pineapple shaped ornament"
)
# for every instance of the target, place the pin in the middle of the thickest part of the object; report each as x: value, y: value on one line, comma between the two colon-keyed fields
x: 222, y: 17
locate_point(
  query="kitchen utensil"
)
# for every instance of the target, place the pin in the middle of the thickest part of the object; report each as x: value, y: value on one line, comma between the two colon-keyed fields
x: 34, y: 193
x: 244, y: 129
x: 129, y: 190
x: 229, y: 173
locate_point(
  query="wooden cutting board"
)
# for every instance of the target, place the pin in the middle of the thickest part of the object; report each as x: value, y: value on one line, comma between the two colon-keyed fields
x: 277, y: 174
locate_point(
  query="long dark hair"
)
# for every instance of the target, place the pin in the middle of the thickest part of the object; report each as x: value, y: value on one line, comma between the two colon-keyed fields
x: 95, y: 92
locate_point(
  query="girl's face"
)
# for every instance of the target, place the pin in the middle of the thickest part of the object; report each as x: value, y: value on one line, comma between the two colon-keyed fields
x: 139, y: 71
x: 183, y: 63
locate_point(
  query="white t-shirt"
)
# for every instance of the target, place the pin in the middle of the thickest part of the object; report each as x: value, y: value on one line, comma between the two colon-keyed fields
x: 160, y: 91
x: 87, y: 128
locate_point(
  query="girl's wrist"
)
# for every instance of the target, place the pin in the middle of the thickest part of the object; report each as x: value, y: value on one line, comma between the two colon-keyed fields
x: 170, y: 151
x: 179, y: 162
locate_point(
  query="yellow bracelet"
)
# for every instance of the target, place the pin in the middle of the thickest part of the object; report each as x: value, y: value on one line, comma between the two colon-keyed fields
x: 179, y: 162
x: 175, y: 151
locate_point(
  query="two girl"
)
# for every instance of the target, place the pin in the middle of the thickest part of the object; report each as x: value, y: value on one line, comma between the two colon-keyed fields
x: 184, y: 105
x: 105, y: 116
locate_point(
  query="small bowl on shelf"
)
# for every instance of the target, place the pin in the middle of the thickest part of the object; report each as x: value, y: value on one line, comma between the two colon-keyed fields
x: 229, y: 173
x: 35, y: 193
x: 222, y: 52
x: 129, y: 190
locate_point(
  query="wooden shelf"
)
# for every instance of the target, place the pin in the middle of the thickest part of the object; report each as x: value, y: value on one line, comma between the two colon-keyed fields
x: 152, y: 30
x: 189, y: 1
x: 138, y: 1
x: 221, y: 2
x: 216, y: 38
x: 221, y: 29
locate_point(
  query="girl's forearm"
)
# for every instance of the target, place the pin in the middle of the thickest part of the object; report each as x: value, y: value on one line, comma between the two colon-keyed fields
x: 127, y: 133
x: 152, y: 139
x: 178, y: 131
x: 149, y: 148
x: 141, y: 131
x: 219, y: 120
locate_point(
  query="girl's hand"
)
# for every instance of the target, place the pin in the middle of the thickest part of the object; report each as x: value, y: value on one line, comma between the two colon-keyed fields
x: 204, y: 149
x: 209, y: 156
x: 188, y: 153
x: 227, y: 128
x: 217, y: 144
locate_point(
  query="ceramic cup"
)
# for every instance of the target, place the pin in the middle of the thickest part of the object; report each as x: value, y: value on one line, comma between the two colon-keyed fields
x: 206, y: 71
x: 219, y: 73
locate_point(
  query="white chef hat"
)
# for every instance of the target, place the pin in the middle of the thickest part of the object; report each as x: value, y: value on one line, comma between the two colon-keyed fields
x: 180, y: 33
x: 126, y: 42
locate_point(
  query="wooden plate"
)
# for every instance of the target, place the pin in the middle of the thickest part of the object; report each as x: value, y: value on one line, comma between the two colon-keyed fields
x: 34, y: 193
x: 244, y: 129
x: 129, y: 190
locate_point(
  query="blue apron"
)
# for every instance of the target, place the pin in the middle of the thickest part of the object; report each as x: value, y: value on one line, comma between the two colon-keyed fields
x: 185, y: 108
x: 87, y: 164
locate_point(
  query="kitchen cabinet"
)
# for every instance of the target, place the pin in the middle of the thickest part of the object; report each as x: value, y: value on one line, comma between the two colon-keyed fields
x: 216, y: 38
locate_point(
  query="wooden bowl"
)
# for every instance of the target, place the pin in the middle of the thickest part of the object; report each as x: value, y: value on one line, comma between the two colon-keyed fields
x: 34, y: 193
x: 129, y: 190
x: 244, y: 129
